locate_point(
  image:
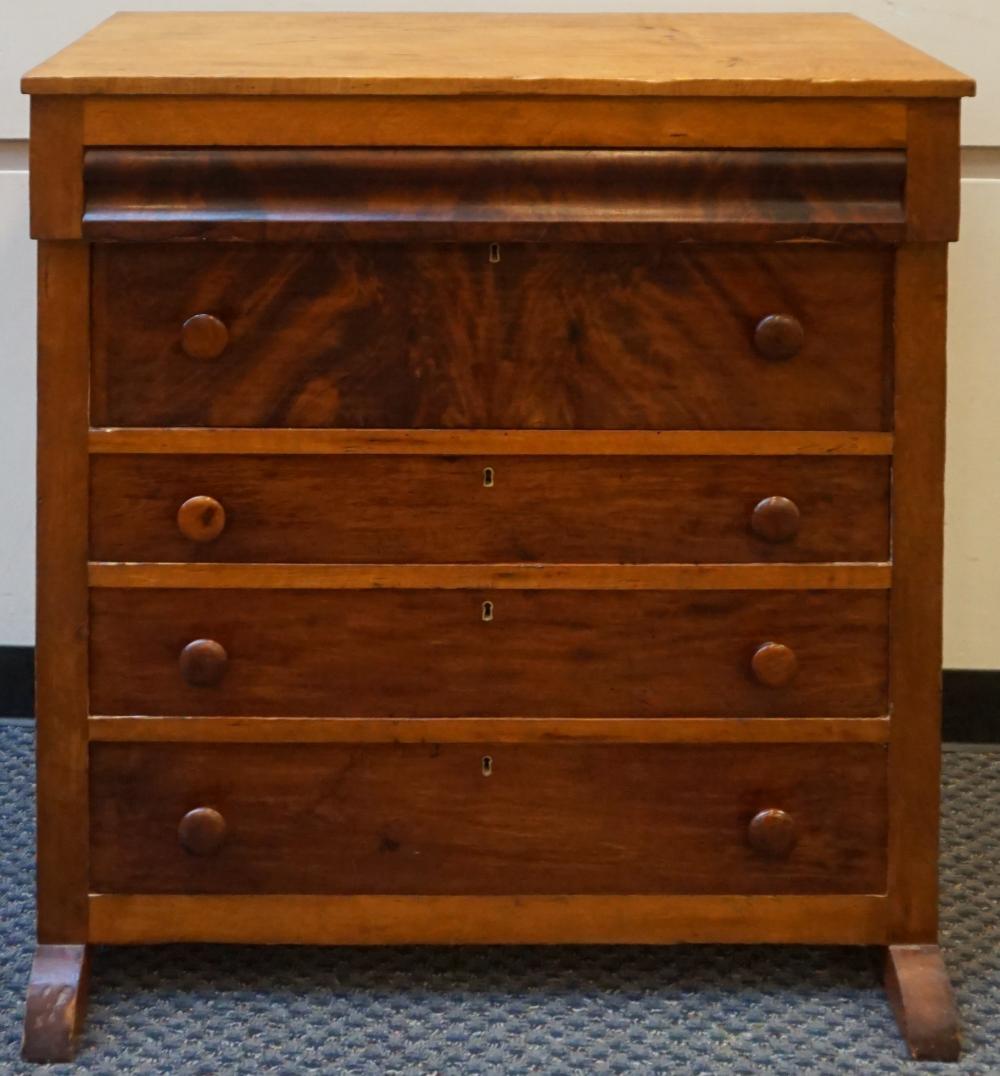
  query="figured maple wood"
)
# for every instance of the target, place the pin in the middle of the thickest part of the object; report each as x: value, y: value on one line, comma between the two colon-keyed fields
x: 218, y: 729
x: 56, y: 1003
x: 916, y: 981
x: 433, y: 509
x: 496, y: 195
x: 514, y: 920
x: 420, y: 53
x: 595, y: 336
x: 415, y: 818
x: 509, y: 120
x: 61, y: 593
x: 428, y: 653
x: 496, y: 442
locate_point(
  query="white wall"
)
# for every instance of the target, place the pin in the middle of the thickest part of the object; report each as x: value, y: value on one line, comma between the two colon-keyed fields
x: 965, y: 33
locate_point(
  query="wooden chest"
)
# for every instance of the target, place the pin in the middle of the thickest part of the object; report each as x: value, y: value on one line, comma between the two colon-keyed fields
x: 490, y: 486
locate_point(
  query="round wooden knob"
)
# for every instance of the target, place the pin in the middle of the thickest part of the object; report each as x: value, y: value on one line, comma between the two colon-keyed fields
x: 775, y: 519
x: 772, y: 833
x: 203, y: 662
x: 201, y: 519
x: 202, y: 831
x: 779, y: 336
x: 774, y: 664
x: 204, y: 336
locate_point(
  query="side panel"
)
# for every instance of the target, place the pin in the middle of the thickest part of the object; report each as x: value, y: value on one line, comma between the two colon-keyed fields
x: 62, y: 633
x: 918, y: 529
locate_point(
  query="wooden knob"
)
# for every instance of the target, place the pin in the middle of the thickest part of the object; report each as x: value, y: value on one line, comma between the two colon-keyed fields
x: 772, y: 833
x: 203, y: 662
x: 204, y: 336
x: 202, y: 831
x: 201, y: 519
x: 774, y: 664
x: 775, y: 519
x: 779, y: 336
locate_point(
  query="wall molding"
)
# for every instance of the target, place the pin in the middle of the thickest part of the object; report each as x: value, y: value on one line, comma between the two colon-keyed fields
x: 971, y: 697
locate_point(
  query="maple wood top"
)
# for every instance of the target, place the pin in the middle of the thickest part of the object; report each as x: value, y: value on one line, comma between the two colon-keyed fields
x: 419, y: 53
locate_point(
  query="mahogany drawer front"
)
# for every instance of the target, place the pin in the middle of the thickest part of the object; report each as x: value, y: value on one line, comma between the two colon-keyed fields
x: 487, y: 819
x: 573, y: 336
x: 433, y: 509
x: 507, y: 653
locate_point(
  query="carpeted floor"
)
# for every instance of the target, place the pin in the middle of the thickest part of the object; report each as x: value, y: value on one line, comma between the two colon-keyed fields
x: 689, y: 1009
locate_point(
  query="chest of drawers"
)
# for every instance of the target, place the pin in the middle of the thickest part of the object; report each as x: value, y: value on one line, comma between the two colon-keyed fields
x: 490, y: 485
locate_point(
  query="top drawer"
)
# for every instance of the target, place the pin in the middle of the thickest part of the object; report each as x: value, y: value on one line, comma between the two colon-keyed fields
x: 492, y: 336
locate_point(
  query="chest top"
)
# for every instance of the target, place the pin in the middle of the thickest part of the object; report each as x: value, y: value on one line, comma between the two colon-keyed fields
x: 793, y: 55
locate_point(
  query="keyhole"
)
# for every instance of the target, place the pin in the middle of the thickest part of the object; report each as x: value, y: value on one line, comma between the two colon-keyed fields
x: 488, y: 477
x: 494, y: 252
x: 487, y: 765
x: 487, y: 610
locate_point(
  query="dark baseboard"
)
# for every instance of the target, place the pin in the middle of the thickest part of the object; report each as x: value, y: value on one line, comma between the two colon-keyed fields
x: 971, y: 706
x: 17, y: 681
x: 971, y: 702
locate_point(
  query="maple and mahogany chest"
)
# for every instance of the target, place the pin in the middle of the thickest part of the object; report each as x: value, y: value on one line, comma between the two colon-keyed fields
x: 490, y: 486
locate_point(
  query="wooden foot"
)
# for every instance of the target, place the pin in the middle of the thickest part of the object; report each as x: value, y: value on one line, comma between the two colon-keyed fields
x: 57, y: 1001
x: 920, y: 993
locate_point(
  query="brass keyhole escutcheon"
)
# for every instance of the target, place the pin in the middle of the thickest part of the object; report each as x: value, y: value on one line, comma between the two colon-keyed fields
x: 487, y: 610
x: 494, y: 252
x: 487, y: 765
x: 488, y: 477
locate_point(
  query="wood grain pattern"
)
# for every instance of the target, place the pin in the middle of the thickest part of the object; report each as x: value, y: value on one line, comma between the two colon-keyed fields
x: 918, y: 534
x: 494, y: 195
x: 921, y: 997
x: 933, y: 175
x: 508, y: 120
x: 61, y: 593
x: 218, y: 729
x: 596, y: 336
x: 420, y: 53
x: 221, y: 576
x: 513, y: 920
x: 56, y: 1003
x: 559, y: 653
x: 432, y: 509
x: 493, y: 442
x: 424, y: 819
x: 56, y: 168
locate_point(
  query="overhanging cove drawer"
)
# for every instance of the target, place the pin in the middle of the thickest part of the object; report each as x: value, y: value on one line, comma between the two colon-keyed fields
x: 505, y: 336
x: 487, y: 819
x: 491, y: 653
x: 488, y: 509
x: 518, y: 195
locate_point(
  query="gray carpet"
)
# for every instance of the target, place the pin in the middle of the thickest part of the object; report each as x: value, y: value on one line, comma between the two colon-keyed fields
x: 689, y: 1009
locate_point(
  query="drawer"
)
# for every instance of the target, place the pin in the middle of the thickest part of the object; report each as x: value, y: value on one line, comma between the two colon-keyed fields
x: 487, y: 819
x: 433, y: 509
x: 541, y: 336
x: 433, y: 652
